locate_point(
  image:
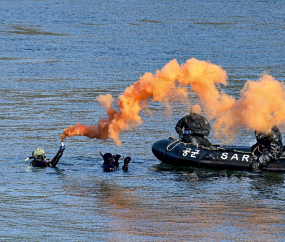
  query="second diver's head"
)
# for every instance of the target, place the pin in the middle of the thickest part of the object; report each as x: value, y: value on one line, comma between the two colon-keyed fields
x: 109, y: 162
x: 195, y: 109
x: 39, y: 154
x: 108, y: 158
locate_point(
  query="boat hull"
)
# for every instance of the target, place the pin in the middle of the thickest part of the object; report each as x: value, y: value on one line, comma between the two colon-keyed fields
x: 173, y: 151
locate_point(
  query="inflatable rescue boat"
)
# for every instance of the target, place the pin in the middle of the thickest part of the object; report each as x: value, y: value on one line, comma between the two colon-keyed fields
x: 173, y: 151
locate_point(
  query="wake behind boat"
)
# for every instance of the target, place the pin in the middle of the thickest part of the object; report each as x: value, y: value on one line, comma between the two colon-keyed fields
x: 173, y: 151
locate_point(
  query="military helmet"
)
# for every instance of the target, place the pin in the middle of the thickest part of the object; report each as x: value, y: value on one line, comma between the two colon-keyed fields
x: 39, y: 154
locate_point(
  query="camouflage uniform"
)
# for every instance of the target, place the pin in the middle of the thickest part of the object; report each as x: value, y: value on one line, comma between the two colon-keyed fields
x: 196, y: 127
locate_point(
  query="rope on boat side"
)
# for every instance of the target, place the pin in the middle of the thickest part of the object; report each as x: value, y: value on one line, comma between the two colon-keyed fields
x: 203, y: 147
x: 237, y: 151
x: 179, y: 142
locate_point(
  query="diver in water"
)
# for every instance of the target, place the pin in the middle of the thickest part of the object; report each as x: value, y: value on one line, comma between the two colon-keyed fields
x: 111, y: 162
x: 40, y: 159
x: 195, y: 126
x: 268, y: 148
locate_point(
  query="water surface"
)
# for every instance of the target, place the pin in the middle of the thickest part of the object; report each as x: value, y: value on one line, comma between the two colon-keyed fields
x: 56, y: 58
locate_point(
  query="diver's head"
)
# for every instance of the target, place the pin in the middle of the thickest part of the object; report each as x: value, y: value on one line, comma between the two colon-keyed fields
x: 109, y: 162
x: 39, y: 154
x: 195, y: 109
x: 108, y: 157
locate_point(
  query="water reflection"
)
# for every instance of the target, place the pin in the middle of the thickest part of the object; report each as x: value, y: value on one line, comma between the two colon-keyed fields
x: 241, y: 200
x: 192, y: 203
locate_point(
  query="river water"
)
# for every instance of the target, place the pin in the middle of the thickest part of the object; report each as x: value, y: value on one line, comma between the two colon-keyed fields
x: 58, y: 56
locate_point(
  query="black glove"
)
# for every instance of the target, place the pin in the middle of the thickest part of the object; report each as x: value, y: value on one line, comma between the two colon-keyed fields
x: 116, y: 157
x: 126, y: 162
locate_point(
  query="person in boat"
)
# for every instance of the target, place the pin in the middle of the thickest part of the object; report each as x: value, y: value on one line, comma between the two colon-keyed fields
x: 40, y: 159
x: 193, y: 128
x: 268, y: 147
x: 111, y: 162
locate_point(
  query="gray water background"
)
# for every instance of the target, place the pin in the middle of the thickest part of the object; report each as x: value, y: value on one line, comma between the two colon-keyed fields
x: 58, y: 56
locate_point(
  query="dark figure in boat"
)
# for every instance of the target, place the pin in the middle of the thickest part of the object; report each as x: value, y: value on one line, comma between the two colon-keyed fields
x: 193, y: 128
x: 268, y: 147
x: 111, y: 162
x: 40, y: 159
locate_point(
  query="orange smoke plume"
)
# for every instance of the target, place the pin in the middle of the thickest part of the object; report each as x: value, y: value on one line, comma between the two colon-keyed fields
x: 260, y: 106
x: 201, y: 75
x: 101, y: 130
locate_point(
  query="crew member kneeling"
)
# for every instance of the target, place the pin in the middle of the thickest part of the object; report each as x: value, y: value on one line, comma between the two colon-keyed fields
x: 40, y: 159
x: 268, y: 148
x: 195, y: 126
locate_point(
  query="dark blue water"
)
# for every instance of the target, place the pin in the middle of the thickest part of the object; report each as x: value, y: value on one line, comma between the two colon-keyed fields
x: 57, y: 57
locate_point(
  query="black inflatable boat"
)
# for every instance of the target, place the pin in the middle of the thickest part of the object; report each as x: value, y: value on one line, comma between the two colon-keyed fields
x: 173, y: 151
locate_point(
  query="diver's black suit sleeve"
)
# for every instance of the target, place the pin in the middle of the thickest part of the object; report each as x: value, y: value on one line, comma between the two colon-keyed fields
x: 56, y: 159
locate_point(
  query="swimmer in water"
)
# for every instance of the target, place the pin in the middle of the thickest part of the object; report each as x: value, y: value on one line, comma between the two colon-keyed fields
x: 111, y: 162
x: 40, y: 159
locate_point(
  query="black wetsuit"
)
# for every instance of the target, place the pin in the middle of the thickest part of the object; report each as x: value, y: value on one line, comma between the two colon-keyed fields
x: 195, y: 126
x: 111, y: 162
x: 270, y: 146
x: 52, y: 163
